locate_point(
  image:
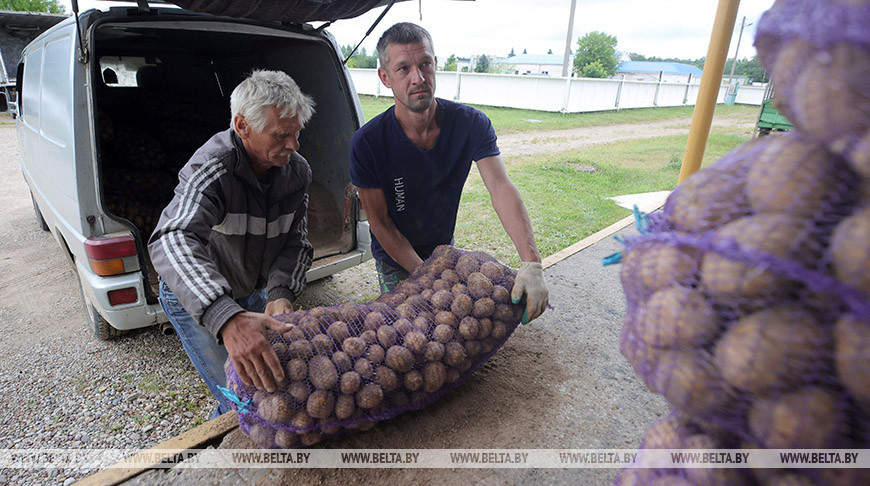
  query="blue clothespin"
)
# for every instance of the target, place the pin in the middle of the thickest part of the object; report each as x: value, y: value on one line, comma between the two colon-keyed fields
x: 612, y: 259
x: 641, y: 220
x: 231, y: 396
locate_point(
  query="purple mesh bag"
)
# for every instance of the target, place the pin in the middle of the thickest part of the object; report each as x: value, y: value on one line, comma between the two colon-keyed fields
x: 818, y: 53
x: 349, y: 366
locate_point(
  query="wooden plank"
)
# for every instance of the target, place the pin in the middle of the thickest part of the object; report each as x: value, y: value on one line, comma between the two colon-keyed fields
x: 191, y: 439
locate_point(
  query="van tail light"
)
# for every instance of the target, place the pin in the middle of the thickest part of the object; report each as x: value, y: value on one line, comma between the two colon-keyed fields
x: 112, y: 256
x: 123, y: 296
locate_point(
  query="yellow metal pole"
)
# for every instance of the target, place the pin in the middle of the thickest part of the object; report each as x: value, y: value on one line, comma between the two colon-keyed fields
x: 711, y: 80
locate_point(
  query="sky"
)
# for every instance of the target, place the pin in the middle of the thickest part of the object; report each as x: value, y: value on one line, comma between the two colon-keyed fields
x: 663, y: 28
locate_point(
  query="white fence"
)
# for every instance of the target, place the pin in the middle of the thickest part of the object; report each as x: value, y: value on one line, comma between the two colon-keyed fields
x: 570, y: 95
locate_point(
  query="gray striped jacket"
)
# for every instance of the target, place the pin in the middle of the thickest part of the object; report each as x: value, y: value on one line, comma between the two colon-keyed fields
x: 224, y: 235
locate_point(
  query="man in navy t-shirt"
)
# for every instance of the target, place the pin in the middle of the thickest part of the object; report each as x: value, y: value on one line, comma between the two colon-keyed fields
x: 409, y: 165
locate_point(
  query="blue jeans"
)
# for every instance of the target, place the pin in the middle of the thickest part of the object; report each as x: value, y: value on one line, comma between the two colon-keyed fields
x: 207, y: 356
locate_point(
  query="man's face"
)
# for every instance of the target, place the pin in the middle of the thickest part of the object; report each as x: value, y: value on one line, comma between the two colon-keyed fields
x: 410, y: 73
x: 274, y: 145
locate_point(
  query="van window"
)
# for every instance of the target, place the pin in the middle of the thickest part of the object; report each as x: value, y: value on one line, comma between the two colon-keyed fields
x: 30, y: 96
x: 120, y: 71
x: 56, y: 103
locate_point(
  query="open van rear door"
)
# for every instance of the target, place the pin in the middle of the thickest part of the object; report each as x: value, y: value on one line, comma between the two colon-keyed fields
x: 285, y: 10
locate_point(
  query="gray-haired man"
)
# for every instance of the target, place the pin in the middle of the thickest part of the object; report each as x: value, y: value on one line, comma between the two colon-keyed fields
x: 232, y: 248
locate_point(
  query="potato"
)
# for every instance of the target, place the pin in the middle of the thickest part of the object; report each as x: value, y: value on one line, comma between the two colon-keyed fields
x: 434, y: 375
x: 465, y: 364
x: 479, y: 285
x: 263, y: 436
x: 434, y: 351
x: 487, y: 345
x: 406, y: 310
x: 459, y: 289
x: 690, y: 382
x: 771, y: 349
x: 393, y: 299
x: 323, y: 344
x: 311, y: 438
x: 403, y: 326
x: 427, y: 293
x: 350, y: 382
x: 492, y: 270
x: 320, y: 403
x: 483, y: 307
x: 654, y: 266
x: 415, y: 341
x: 794, y: 175
x: 275, y: 408
x: 322, y: 373
x: 778, y: 234
x: 299, y: 390
x: 386, y: 378
x: 351, y: 313
x: 466, y: 265
x: 342, y: 361
x: 370, y: 396
x: 446, y: 318
x: 642, y: 357
x: 442, y: 333
x: 413, y: 380
x: 850, y: 250
x: 302, y: 421
x: 398, y: 399
x: 809, y: 418
x: 666, y: 433
x: 469, y: 327
x: 834, y: 102
x: 441, y: 284
x: 852, y: 356
x: 500, y: 295
x: 301, y: 349
x: 472, y: 348
x: 713, y: 196
x: 450, y: 276
x: 344, y: 406
x: 484, y: 328
x: 675, y: 317
x: 417, y: 302
x: 462, y: 305
x: 294, y: 334
x: 286, y: 439
x: 374, y: 320
x: 338, y: 330
x: 328, y: 426
x: 442, y: 299
x: 399, y: 358
x: 310, y: 325
x: 369, y: 336
x: 354, y: 346
x: 297, y: 369
x: 709, y: 476
x: 387, y: 336
x: 452, y: 376
x: 281, y: 350
x: 409, y: 288
x: 375, y: 354
x: 423, y: 323
x: 364, y: 368
x: 499, y: 330
x: 791, y: 57
x: 454, y: 353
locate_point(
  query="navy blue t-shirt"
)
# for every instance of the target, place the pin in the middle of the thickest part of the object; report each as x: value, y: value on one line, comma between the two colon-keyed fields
x: 422, y: 187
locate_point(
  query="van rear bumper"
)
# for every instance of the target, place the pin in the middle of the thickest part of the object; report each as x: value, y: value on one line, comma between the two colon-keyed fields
x: 126, y: 316
x: 327, y: 266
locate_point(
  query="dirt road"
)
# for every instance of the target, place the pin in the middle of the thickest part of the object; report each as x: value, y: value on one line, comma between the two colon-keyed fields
x: 75, y: 391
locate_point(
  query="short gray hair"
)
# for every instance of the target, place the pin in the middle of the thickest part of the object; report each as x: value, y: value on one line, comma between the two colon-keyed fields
x: 268, y: 88
x: 401, y: 33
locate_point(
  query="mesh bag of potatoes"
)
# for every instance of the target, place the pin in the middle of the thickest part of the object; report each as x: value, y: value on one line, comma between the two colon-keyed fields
x: 351, y: 365
x: 748, y: 298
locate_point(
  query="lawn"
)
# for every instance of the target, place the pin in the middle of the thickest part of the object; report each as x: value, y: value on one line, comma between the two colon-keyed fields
x: 566, y: 194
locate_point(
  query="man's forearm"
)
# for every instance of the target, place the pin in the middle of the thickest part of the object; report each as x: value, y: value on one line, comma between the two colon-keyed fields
x: 397, y: 246
x: 512, y: 212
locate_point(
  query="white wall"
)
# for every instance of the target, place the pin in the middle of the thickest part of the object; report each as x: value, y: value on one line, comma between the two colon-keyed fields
x: 571, y: 95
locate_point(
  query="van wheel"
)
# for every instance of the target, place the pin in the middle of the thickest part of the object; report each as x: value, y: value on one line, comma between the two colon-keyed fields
x: 39, y: 219
x: 101, y: 327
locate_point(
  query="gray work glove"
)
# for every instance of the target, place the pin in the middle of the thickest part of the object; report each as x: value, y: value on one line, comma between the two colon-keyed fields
x: 530, y: 284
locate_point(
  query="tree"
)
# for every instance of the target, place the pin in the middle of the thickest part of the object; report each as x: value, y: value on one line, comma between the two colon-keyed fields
x: 596, y: 47
x: 359, y: 59
x: 593, y: 70
x: 524, y: 51
x: 46, y: 6
x: 550, y: 51
x: 450, y: 65
x: 511, y: 53
x: 482, y: 64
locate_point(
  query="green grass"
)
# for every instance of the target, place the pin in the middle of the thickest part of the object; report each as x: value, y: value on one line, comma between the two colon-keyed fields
x: 567, y: 200
x: 510, y: 120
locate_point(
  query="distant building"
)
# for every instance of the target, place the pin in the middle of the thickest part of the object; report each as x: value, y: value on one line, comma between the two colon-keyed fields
x: 670, y: 72
x: 535, y: 64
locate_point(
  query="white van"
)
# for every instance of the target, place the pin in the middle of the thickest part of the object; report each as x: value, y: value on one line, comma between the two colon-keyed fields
x: 106, y: 120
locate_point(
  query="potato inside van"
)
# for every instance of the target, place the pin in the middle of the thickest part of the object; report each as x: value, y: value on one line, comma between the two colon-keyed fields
x: 106, y: 120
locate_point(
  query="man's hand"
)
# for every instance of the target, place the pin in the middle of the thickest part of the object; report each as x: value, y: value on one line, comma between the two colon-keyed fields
x: 245, y: 337
x: 530, y: 283
x: 278, y: 307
